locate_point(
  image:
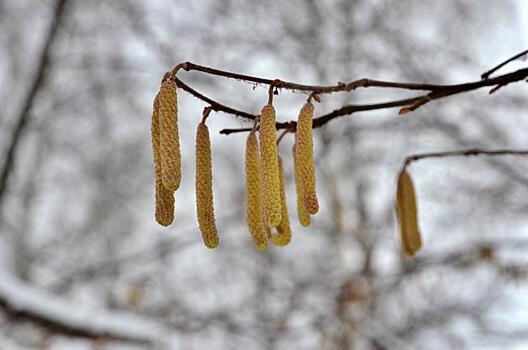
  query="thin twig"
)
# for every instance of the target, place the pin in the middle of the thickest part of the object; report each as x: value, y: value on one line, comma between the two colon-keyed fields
x: 205, y: 114
x: 435, y: 91
x: 255, y: 124
x: 464, y: 153
x: 215, y: 105
x: 320, y: 89
x: 281, y: 136
x: 342, y: 87
x: 499, y: 66
x: 270, y: 94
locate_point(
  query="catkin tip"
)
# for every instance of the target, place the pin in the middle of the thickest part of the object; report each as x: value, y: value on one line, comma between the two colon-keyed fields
x: 283, y: 236
x: 211, y: 242
x: 261, y: 245
x: 164, y: 204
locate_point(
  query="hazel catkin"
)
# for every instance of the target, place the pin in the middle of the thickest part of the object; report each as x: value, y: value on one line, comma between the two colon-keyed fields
x: 169, y: 138
x: 283, y: 236
x: 254, y: 209
x: 270, y: 167
x: 407, y: 215
x: 304, y: 154
x: 164, y: 211
x: 302, y: 213
x: 204, y: 187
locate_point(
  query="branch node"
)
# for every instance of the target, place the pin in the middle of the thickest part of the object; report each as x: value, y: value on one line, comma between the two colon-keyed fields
x: 496, y: 88
x: 520, y: 55
x: 360, y: 83
x: 174, y: 72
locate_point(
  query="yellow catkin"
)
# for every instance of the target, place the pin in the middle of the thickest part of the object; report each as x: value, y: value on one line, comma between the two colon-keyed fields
x: 267, y: 229
x: 407, y: 215
x: 164, y: 198
x: 270, y: 167
x: 302, y: 213
x: 304, y: 150
x: 254, y: 209
x: 204, y: 187
x: 283, y: 236
x: 169, y: 138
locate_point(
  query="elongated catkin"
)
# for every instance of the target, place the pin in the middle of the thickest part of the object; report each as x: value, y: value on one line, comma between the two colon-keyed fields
x: 407, y: 215
x: 304, y: 150
x: 164, y: 212
x: 254, y: 209
x: 270, y: 167
x: 169, y: 138
x: 204, y: 187
x: 302, y: 213
x: 283, y: 236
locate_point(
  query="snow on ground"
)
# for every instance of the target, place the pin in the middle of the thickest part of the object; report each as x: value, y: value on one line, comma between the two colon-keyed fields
x: 22, y: 297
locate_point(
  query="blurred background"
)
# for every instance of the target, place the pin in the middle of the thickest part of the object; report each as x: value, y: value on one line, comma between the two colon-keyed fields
x: 83, y: 265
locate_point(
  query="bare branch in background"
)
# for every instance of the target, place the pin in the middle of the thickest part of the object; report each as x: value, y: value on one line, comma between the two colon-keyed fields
x: 39, y: 79
x: 465, y: 153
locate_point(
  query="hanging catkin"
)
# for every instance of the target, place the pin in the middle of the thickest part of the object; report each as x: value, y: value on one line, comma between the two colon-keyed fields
x: 302, y: 213
x: 164, y: 198
x: 204, y: 187
x: 304, y: 154
x: 254, y: 209
x: 283, y: 236
x: 270, y: 167
x: 169, y: 138
x: 407, y: 215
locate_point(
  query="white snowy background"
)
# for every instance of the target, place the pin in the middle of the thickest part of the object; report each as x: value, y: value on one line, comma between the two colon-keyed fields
x: 83, y: 265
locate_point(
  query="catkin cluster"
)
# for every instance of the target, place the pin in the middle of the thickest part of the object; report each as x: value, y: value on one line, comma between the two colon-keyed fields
x: 167, y: 163
x: 204, y: 187
x: 266, y: 206
x: 407, y: 215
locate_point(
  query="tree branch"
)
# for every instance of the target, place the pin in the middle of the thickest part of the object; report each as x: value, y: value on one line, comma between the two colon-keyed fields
x: 435, y: 91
